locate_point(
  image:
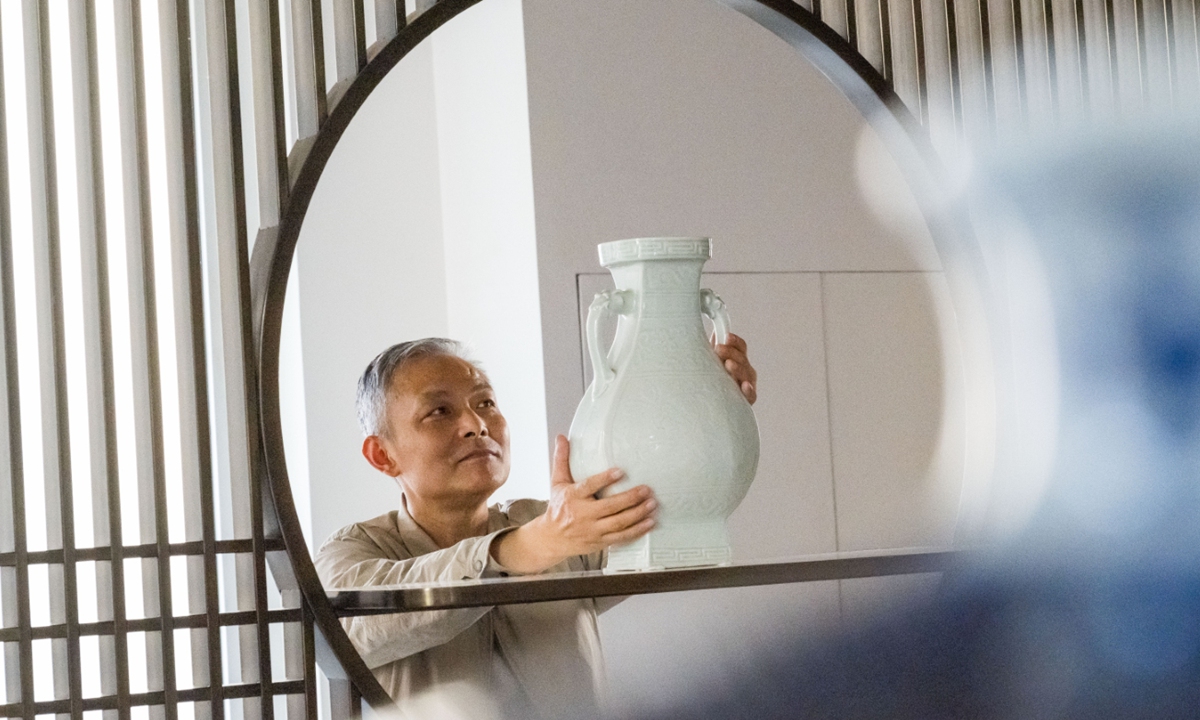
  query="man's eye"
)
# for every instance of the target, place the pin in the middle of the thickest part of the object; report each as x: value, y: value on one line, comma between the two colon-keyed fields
x: 489, y: 403
x: 438, y: 411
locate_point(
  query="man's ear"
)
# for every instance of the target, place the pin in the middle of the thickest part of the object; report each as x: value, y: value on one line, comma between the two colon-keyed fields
x: 376, y: 454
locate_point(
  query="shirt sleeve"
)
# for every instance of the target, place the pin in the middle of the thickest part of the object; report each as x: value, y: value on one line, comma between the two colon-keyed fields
x: 352, y: 559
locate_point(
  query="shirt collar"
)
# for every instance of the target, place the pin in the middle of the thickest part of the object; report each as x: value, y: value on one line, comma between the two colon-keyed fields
x: 418, y: 541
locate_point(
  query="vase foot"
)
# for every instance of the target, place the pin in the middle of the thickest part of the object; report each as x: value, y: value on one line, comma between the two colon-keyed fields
x: 695, y: 545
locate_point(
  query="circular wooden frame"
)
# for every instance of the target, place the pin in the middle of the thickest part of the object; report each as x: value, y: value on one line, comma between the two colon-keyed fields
x: 271, y: 263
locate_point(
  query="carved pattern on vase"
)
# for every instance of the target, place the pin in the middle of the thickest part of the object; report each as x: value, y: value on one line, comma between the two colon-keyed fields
x: 671, y: 305
x: 678, y: 557
x: 648, y: 248
x: 668, y: 278
x: 660, y: 350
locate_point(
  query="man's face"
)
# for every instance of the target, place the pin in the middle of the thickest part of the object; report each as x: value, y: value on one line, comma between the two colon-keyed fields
x: 445, y: 433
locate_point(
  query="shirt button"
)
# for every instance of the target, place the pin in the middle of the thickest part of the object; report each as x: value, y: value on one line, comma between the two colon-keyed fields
x: 478, y: 564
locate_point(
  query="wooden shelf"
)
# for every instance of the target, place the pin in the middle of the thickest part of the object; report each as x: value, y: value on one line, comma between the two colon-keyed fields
x: 566, y: 586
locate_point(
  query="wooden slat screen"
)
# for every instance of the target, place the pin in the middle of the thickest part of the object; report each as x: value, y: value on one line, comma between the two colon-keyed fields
x: 146, y: 144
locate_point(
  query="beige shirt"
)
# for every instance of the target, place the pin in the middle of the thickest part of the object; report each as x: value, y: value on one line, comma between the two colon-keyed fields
x: 544, y: 656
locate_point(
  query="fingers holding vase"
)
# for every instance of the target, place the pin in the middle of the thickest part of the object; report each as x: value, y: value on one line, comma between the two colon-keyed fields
x: 733, y: 355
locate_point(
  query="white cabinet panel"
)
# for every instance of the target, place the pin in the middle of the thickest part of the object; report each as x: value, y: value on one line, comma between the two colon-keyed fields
x: 663, y: 645
x: 896, y: 409
x: 789, y: 509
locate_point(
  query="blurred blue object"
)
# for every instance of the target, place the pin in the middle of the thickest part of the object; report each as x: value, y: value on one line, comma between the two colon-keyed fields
x: 1116, y: 224
x: 1009, y: 644
x: 1094, y: 610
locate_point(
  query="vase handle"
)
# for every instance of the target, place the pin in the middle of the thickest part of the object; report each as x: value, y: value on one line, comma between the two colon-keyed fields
x: 609, y: 302
x: 713, y: 306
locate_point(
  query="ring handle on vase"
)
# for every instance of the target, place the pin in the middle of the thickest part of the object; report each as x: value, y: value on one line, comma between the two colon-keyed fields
x: 713, y: 306
x: 609, y: 302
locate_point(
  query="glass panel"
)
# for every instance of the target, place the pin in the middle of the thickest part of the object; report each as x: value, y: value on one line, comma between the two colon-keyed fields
x: 134, y: 601
x: 39, y: 595
x: 89, y: 665
x: 138, y: 681
x: 43, y: 670
x: 183, y: 659
x: 85, y: 578
x: 278, y: 655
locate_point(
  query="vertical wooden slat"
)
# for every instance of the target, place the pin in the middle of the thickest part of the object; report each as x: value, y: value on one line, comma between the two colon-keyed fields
x: 955, y: 71
x: 344, y: 43
x: 225, y: 211
x: 14, y: 582
x: 1196, y: 48
x: 356, y: 702
x: 1114, y: 74
x: 885, y: 38
x: 201, y: 573
x: 903, y: 54
x: 226, y: 237
x: 60, y: 521
x: 1051, y: 55
x: 922, y: 73
x: 1139, y: 39
x: 402, y: 14
x: 156, y: 572
x: 307, y: 624
x: 250, y: 385
x: 1139, y: 24
x: 236, y: 353
x: 295, y: 661
x: 340, y: 707
x: 175, y: 59
x: 317, y: 30
x: 279, y: 134
x: 89, y: 200
x: 386, y: 24
x: 360, y: 35
x: 1019, y: 47
x: 1171, y: 52
x: 271, y: 171
x: 304, y: 51
x: 110, y: 577
x: 1082, y: 51
x: 195, y: 67
x: 852, y: 24
x: 1156, y: 61
x: 868, y: 37
x: 989, y: 78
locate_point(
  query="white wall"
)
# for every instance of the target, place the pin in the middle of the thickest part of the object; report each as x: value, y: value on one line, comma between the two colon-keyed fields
x: 487, y: 222
x: 422, y: 225
x: 684, y: 118
x: 371, y: 272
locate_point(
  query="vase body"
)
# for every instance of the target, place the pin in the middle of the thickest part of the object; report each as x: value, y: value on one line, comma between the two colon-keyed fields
x: 661, y: 406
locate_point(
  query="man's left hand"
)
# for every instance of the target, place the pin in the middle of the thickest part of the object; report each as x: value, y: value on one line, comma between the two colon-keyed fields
x: 737, y: 364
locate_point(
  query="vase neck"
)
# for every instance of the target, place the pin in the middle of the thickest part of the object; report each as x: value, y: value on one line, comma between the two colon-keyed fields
x: 650, y: 278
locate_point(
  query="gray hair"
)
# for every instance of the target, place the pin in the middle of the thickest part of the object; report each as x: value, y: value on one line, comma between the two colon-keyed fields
x: 371, y: 403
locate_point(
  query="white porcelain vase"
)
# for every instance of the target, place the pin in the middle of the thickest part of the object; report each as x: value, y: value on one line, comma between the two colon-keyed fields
x: 661, y: 406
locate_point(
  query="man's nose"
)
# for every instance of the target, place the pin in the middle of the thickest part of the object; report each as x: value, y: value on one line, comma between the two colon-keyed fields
x: 474, y: 424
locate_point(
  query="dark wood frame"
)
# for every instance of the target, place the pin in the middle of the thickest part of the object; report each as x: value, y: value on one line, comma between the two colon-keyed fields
x: 271, y: 263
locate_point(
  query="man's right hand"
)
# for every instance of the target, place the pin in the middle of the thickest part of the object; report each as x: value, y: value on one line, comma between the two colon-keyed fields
x: 576, y: 522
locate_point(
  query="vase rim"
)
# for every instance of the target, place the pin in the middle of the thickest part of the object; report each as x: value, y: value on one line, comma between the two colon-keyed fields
x: 654, y: 248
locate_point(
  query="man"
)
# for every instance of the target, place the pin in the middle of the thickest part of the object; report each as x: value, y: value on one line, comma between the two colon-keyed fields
x: 431, y: 422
